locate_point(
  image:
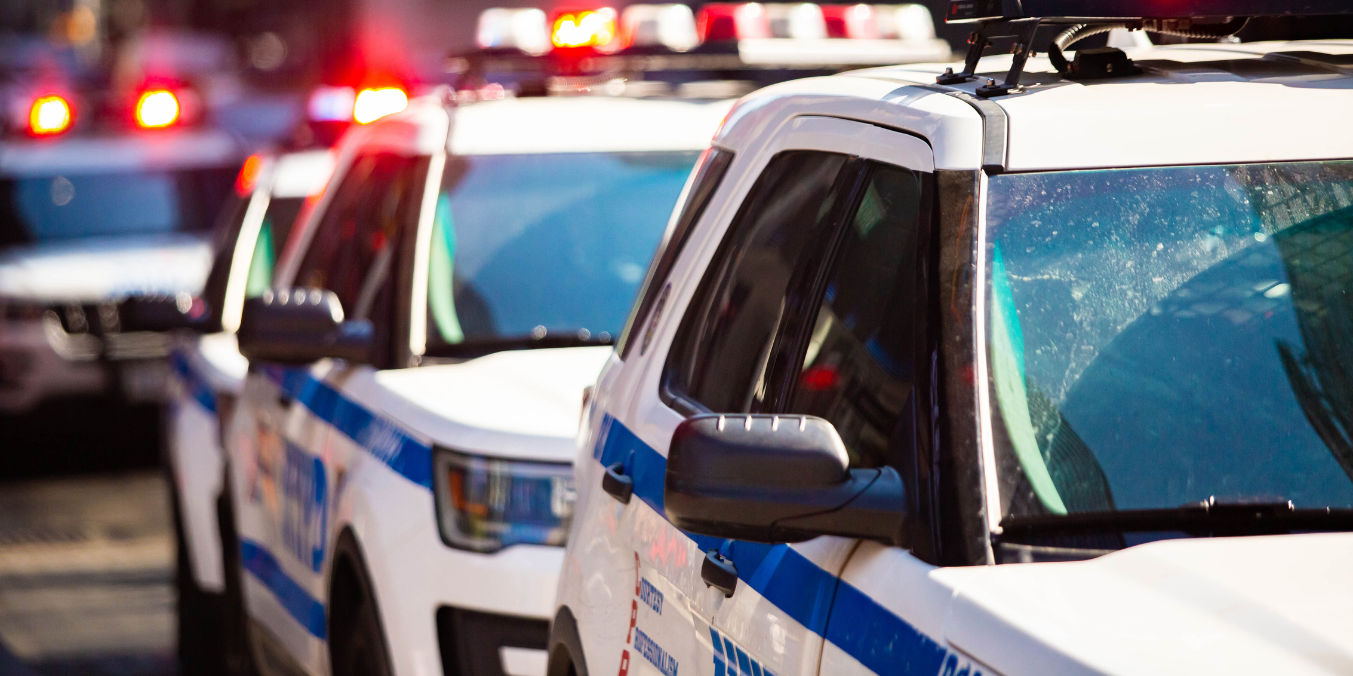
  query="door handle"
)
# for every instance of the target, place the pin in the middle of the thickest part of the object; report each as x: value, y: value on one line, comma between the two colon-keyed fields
x: 617, y: 484
x: 719, y: 573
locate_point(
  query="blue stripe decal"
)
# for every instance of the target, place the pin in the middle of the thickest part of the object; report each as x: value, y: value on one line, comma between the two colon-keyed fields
x: 379, y: 436
x: 880, y: 640
x: 197, y: 386
x: 306, y: 609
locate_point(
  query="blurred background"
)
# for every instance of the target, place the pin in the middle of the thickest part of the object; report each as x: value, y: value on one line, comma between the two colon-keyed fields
x: 87, y: 542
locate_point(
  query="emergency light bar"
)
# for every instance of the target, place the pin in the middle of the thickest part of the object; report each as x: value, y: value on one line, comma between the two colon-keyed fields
x: 1081, y: 11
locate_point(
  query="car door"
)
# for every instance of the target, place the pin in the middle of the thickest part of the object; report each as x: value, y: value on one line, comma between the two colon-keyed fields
x: 738, y: 343
x: 289, y: 464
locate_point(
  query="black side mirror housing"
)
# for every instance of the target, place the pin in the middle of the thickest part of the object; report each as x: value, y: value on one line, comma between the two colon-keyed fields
x: 300, y: 326
x: 163, y: 313
x: 776, y: 478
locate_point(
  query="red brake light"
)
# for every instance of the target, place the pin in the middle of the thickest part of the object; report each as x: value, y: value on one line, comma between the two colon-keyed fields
x: 50, y: 115
x: 587, y: 28
x: 157, y: 108
x: 373, y: 104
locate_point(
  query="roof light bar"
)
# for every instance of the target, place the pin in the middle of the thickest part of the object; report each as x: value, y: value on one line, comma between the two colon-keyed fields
x: 586, y: 28
x: 373, y: 104
x: 331, y: 104
x: 672, y: 26
x: 524, y: 29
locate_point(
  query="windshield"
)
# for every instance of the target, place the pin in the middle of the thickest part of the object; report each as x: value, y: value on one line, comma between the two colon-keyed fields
x: 1164, y: 336
x: 65, y: 207
x: 549, y: 245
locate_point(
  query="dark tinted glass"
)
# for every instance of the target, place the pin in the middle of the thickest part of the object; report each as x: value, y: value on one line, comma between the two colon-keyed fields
x: 858, y: 369
x: 726, y: 338
x: 709, y: 172
x: 354, y: 248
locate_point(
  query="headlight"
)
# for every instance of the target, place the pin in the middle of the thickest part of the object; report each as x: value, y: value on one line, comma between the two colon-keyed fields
x: 486, y: 504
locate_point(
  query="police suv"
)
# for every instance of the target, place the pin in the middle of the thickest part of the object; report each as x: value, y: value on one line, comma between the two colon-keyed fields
x: 970, y: 372
x: 102, y: 199
x: 206, y: 377
x: 399, y: 455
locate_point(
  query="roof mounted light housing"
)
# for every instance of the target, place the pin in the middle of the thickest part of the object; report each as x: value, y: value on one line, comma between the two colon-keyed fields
x: 1086, y: 11
x: 1021, y: 19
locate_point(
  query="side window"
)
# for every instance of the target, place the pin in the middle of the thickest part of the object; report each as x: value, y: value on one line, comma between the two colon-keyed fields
x: 859, y: 367
x: 276, y: 228
x: 709, y: 173
x: 354, y: 246
x: 724, y: 347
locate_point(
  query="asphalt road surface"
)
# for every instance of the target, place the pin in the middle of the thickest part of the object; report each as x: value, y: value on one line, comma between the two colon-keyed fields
x: 86, y: 548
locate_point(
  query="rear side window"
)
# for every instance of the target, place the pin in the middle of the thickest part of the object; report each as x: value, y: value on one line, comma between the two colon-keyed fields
x: 723, y: 348
x: 709, y: 173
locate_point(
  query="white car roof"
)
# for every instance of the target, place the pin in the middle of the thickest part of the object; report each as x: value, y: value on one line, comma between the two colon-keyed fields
x: 571, y: 124
x: 1194, y: 104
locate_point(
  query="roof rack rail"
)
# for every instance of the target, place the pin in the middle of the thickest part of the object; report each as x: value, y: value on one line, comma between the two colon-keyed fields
x: 1088, y: 11
x: 1021, y: 19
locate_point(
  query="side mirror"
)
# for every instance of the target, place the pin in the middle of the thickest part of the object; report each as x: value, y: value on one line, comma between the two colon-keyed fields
x: 776, y: 478
x: 299, y: 326
x: 163, y: 313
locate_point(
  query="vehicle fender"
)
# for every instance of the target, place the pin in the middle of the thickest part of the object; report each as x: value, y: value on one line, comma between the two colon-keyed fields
x: 565, y: 646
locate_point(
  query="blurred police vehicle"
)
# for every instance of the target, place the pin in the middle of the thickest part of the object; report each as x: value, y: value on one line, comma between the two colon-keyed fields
x: 207, y: 374
x: 104, y: 196
x: 1087, y: 313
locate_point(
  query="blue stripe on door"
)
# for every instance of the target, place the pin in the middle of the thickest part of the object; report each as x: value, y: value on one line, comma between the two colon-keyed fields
x: 880, y: 640
x: 304, y: 608
x: 196, y: 385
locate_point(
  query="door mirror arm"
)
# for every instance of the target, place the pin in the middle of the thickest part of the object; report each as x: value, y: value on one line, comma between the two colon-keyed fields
x: 776, y: 478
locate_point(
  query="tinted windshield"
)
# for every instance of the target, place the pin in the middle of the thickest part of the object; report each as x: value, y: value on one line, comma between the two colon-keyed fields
x: 1162, y: 336
x: 92, y: 205
x: 553, y: 244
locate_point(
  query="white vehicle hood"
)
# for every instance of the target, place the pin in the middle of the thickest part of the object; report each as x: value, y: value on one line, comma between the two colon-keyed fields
x: 1258, y: 605
x: 517, y: 404
x: 104, y: 268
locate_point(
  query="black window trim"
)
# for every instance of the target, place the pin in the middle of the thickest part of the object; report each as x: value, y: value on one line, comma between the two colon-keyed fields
x: 708, y: 175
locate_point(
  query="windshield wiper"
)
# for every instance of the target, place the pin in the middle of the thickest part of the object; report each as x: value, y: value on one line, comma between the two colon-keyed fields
x: 479, y: 348
x: 1211, y: 517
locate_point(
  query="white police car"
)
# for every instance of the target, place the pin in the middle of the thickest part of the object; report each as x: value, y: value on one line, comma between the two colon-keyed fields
x: 400, y: 509
x: 206, y: 377
x: 96, y: 212
x: 965, y: 378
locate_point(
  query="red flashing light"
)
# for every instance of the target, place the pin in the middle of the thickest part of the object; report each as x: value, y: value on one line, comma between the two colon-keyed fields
x: 49, y: 116
x: 851, y: 21
x: 248, y: 177
x: 157, y: 108
x: 726, y: 21
x: 587, y: 28
x: 373, y: 104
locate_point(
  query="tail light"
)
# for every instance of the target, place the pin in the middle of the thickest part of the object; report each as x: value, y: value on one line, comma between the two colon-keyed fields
x: 48, y: 116
x: 587, y: 28
x: 157, y: 108
x: 373, y: 104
